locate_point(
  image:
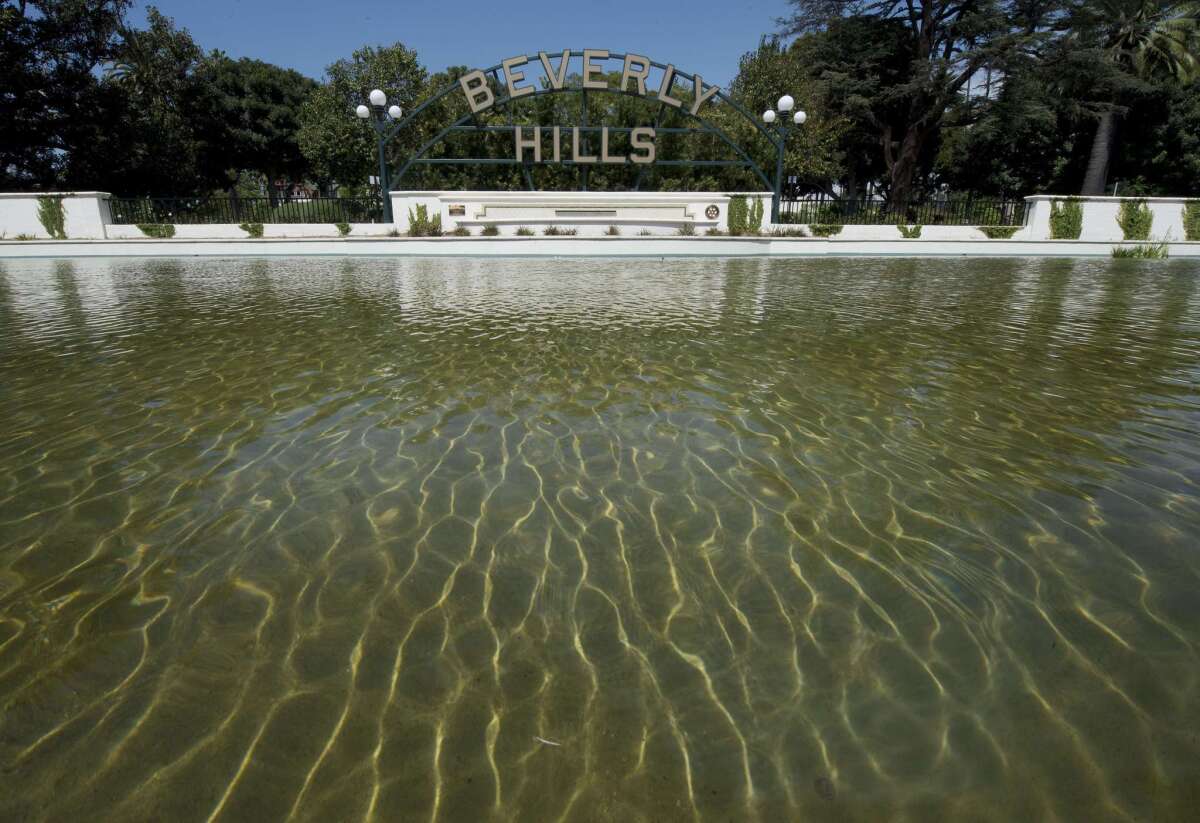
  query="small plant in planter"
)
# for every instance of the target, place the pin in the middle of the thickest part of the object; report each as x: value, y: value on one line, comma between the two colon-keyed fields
x: 825, y: 229
x: 523, y: 231
x: 461, y: 231
x: 714, y: 232
x: 687, y: 230
x: 343, y: 229
x: 999, y: 232
x: 253, y: 229
x: 490, y: 231
x: 612, y: 231
x: 909, y: 232
x: 645, y: 233
x: 791, y: 231
x: 161, y: 231
x: 555, y: 231
x: 421, y: 225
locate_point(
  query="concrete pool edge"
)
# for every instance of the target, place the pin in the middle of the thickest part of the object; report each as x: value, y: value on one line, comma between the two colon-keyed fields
x: 570, y: 247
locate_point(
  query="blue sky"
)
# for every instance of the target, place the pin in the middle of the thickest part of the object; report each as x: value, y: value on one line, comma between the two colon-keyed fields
x: 705, y: 36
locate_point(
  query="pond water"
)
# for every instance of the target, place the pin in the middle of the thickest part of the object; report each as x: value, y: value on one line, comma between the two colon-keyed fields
x: 655, y: 540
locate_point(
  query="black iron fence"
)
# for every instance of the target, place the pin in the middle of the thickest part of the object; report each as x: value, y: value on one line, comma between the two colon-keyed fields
x: 952, y: 212
x: 225, y: 209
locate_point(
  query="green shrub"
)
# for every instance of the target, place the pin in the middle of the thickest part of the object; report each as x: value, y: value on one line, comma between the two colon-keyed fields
x: 343, y: 229
x: 162, y: 231
x: 825, y: 229
x: 252, y: 229
x: 999, y: 232
x: 556, y: 231
x: 24, y: 237
x: 1149, y: 251
x: 754, y: 224
x: 52, y: 217
x: 1191, y: 221
x: 490, y: 231
x: 790, y: 231
x: 909, y: 232
x: 714, y: 232
x: 613, y: 231
x: 1135, y: 219
x: 1066, y: 219
x: 523, y: 231
x: 687, y: 230
x: 394, y: 233
x: 738, y: 216
x: 420, y: 225
x: 645, y: 233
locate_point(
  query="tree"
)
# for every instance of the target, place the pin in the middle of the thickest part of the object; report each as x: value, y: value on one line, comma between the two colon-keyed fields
x: 856, y: 68
x: 337, y: 145
x: 250, y: 118
x: 813, y: 153
x: 948, y: 42
x: 1144, y: 39
x: 48, y: 52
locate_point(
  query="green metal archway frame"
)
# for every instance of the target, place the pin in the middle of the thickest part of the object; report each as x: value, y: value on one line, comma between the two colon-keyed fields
x: 469, y: 123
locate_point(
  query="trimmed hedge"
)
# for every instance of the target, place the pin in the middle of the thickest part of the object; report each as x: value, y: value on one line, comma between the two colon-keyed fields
x: 1191, y: 221
x: 1135, y: 219
x: 1066, y: 219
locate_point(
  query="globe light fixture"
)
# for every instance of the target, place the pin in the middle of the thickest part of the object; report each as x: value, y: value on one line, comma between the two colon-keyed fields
x: 778, y: 133
x: 362, y: 111
x: 394, y: 112
x: 378, y: 98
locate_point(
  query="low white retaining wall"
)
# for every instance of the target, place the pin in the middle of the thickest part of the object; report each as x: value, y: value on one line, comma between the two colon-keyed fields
x: 225, y: 231
x: 1100, y: 217
x: 587, y: 213
x: 85, y: 214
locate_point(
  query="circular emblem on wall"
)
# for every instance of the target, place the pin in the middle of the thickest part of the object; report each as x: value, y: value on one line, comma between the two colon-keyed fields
x: 711, y: 212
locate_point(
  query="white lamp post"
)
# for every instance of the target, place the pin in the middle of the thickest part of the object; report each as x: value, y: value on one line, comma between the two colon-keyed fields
x: 779, y: 132
x: 384, y: 123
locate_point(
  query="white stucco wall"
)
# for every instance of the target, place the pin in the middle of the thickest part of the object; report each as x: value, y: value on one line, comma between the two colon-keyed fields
x: 1100, y: 217
x: 85, y: 214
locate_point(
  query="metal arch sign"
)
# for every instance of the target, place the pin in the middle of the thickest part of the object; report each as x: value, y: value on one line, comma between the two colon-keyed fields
x: 635, y: 71
x: 513, y: 80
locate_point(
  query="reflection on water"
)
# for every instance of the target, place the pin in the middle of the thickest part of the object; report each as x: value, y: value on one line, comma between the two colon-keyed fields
x: 599, y: 540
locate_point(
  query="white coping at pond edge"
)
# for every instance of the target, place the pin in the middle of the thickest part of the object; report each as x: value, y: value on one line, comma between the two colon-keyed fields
x: 570, y: 247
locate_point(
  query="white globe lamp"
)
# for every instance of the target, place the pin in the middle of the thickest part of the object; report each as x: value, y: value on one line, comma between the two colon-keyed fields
x: 378, y: 98
x: 786, y: 103
x: 768, y: 116
x: 395, y: 113
x: 362, y: 111
x: 800, y: 118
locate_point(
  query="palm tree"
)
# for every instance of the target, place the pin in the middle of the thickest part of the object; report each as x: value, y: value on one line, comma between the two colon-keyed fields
x: 1145, y: 38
